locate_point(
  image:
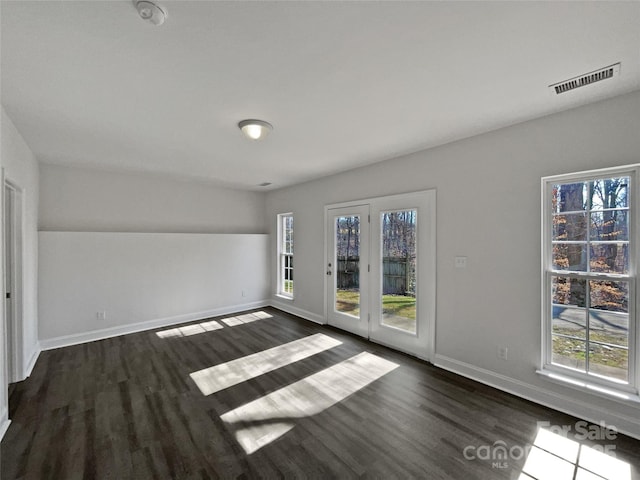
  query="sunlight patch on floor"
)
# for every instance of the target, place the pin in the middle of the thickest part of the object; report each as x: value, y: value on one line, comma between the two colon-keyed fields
x: 556, y: 457
x: 604, y: 465
x: 189, y: 330
x: 225, y: 375
x: 211, y: 325
x: 246, y: 318
x: 264, y: 420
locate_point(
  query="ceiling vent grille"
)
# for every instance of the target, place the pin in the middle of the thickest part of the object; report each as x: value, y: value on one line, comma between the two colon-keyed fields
x: 586, y: 79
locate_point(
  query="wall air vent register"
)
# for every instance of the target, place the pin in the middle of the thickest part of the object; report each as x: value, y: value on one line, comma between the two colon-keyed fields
x: 586, y: 79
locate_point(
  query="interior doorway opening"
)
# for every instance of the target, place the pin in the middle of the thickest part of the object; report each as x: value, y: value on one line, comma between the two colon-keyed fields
x: 12, y: 276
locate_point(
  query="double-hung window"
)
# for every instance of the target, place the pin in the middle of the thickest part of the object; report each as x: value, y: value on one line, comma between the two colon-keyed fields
x: 285, y: 254
x: 589, y: 278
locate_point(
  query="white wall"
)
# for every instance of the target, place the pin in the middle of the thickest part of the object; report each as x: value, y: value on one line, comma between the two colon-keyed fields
x: 21, y: 168
x: 488, y: 209
x: 144, y: 280
x: 147, y: 249
x: 77, y: 199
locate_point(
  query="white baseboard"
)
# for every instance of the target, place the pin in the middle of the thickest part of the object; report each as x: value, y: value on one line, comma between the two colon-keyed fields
x: 299, y: 312
x: 32, y: 360
x: 624, y: 424
x: 75, y: 339
x: 4, y: 422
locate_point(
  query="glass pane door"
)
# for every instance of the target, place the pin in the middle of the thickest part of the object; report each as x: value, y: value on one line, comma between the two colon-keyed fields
x: 384, y: 289
x: 347, y: 265
x: 347, y: 268
x: 403, y: 272
x: 399, y: 232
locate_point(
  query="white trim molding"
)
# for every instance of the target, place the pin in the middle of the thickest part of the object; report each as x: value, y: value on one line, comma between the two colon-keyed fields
x: 299, y: 312
x: 78, y: 338
x: 624, y: 424
x: 590, y: 388
x: 35, y: 354
x: 4, y: 423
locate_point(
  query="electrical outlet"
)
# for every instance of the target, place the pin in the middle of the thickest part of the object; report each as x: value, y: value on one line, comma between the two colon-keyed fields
x: 503, y: 353
x: 101, y: 315
x: 244, y: 293
x: 460, y: 262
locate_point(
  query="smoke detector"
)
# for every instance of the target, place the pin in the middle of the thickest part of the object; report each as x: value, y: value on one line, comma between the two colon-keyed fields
x: 151, y: 12
x: 586, y: 79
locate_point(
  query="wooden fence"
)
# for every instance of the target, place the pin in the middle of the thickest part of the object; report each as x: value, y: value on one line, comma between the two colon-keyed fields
x: 397, y: 275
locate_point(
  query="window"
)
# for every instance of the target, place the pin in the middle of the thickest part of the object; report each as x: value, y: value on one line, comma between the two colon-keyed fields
x: 589, y: 268
x: 285, y: 254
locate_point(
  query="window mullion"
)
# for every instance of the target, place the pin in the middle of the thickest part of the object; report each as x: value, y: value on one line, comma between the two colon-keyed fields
x: 587, y: 303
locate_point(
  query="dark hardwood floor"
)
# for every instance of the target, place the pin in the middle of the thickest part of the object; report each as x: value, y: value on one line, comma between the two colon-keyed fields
x: 129, y: 408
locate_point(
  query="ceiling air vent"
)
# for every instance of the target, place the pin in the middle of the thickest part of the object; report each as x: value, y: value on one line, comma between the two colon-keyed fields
x: 586, y: 79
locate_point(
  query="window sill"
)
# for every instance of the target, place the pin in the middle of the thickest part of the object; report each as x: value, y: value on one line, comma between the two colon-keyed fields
x: 628, y: 398
x: 284, y: 297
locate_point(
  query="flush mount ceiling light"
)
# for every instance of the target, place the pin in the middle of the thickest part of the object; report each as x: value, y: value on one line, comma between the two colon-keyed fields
x: 255, y: 129
x: 151, y: 12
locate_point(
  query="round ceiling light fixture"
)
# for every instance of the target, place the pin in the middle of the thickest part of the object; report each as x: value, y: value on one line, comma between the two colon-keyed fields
x: 255, y: 129
x: 151, y: 12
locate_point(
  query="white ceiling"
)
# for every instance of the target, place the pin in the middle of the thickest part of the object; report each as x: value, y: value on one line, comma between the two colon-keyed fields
x: 344, y: 84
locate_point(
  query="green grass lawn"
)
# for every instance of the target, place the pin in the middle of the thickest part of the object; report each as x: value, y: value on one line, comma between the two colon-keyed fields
x: 348, y: 301
x: 399, y: 305
x: 575, y: 349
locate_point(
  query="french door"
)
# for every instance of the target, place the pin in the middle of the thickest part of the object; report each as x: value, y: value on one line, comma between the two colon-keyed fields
x: 347, y: 268
x: 381, y: 270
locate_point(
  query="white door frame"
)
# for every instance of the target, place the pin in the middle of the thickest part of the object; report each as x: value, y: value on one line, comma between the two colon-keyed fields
x: 12, y: 277
x: 425, y: 201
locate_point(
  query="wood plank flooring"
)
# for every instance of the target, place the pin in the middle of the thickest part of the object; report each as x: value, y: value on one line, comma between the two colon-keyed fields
x: 128, y: 408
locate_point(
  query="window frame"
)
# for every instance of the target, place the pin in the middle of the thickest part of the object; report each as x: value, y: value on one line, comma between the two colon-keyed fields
x: 591, y: 381
x: 285, y: 258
